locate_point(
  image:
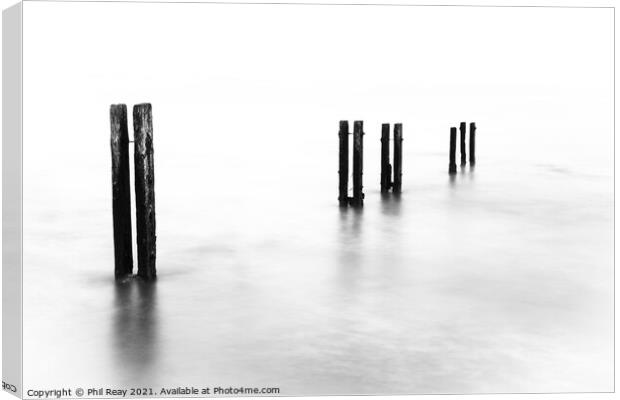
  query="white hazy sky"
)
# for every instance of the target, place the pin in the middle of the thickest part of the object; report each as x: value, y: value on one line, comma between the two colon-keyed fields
x: 538, y: 81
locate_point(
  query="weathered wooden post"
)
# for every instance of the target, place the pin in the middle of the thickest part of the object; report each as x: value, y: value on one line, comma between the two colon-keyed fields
x: 452, y: 166
x: 343, y: 158
x: 145, y: 189
x: 463, y: 154
x: 472, y: 144
x: 121, y: 192
x: 358, y: 163
x: 386, y: 168
x: 398, y: 157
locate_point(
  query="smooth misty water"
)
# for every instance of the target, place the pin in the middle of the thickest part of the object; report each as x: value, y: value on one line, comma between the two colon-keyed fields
x: 497, y: 281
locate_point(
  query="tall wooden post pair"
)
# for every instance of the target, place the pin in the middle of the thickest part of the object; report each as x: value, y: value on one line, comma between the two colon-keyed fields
x: 358, y: 164
x: 386, y: 167
x: 144, y: 190
x: 472, y: 146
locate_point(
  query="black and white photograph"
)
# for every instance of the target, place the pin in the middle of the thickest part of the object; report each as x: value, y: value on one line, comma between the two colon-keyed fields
x: 306, y: 199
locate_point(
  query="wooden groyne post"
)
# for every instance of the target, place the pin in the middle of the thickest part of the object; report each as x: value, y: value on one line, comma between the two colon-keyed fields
x: 145, y: 189
x: 386, y: 168
x: 343, y: 162
x: 462, y: 128
x: 358, y: 163
x: 472, y: 144
x: 121, y: 192
x: 452, y: 166
x: 398, y: 157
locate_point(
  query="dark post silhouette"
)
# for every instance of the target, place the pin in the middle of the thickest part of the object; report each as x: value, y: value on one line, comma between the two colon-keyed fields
x: 145, y: 189
x: 121, y: 192
x: 452, y: 167
x: 472, y: 144
x: 386, y: 168
x: 358, y: 163
x: 343, y: 158
x: 398, y: 157
x: 463, y: 154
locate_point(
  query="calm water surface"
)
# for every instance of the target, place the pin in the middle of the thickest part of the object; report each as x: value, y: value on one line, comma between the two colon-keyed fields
x: 500, y: 280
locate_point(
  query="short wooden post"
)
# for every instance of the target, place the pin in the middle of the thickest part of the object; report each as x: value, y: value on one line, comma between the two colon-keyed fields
x: 452, y: 166
x: 343, y: 158
x: 358, y: 163
x: 472, y: 144
x: 145, y: 189
x: 398, y: 157
x: 121, y: 192
x: 386, y: 169
x: 463, y: 153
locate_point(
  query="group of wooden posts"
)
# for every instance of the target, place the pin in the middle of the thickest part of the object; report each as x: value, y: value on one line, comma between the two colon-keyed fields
x: 472, y: 146
x: 391, y: 178
x: 386, y: 168
x: 358, y: 165
x: 144, y: 190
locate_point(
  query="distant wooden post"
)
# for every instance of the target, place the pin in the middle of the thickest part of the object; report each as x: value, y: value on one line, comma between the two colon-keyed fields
x: 452, y: 167
x: 121, y: 192
x: 343, y: 158
x: 463, y: 154
x: 398, y: 157
x: 145, y: 189
x: 358, y: 163
x: 472, y: 144
x: 386, y: 168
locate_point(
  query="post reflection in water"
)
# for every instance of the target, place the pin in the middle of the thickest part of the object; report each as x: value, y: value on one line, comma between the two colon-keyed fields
x: 452, y: 178
x: 135, y: 325
x: 351, y: 223
x: 391, y: 204
x: 350, y: 241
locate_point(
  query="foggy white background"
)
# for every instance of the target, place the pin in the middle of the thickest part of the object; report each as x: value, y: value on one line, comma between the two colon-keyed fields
x: 273, y: 80
x: 213, y: 69
x: 235, y: 85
